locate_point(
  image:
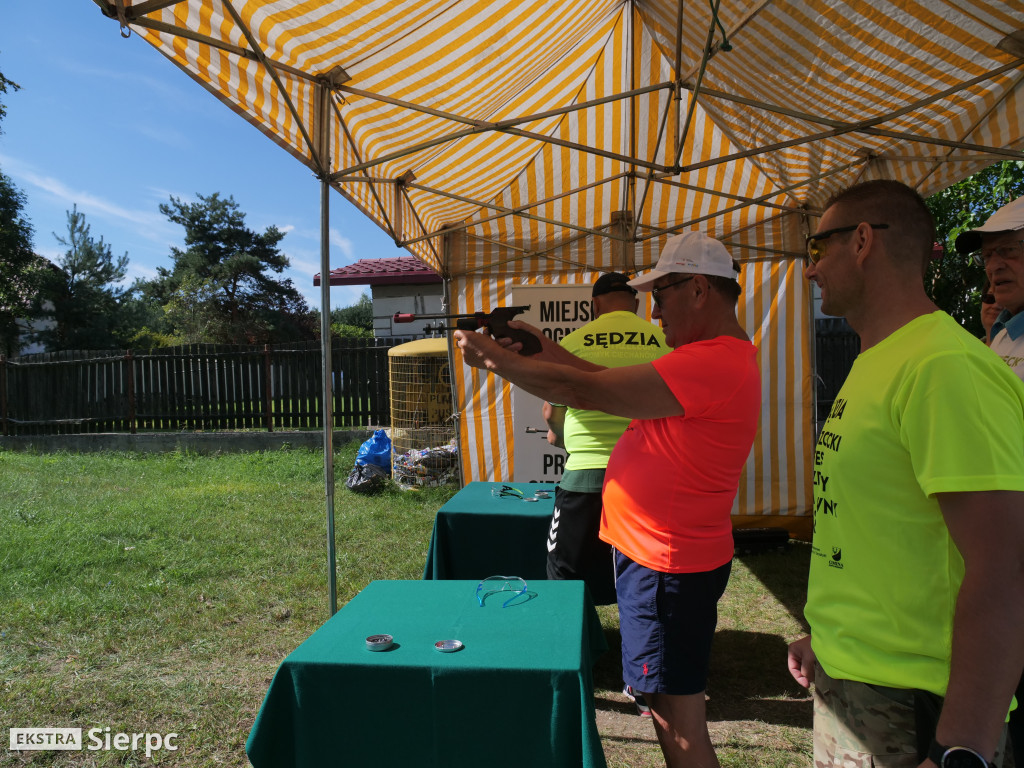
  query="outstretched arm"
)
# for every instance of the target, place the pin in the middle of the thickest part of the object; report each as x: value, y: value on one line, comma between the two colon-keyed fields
x: 634, y: 391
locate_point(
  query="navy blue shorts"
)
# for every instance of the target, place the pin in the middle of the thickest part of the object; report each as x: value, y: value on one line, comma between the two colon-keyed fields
x: 667, y: 621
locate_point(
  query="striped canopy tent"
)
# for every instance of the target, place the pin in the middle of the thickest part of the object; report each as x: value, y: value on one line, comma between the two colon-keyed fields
x: 515, y: 142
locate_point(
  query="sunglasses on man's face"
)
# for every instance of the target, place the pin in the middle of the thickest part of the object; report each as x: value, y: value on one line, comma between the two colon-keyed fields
x: 656, y: 292
x: 815, y: 242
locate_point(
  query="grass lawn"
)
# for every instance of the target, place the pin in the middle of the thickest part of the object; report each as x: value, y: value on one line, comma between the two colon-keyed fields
x: 159, y: 593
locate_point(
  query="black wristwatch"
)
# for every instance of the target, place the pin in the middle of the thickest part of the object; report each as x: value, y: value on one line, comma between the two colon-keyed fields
x: 956, y: 757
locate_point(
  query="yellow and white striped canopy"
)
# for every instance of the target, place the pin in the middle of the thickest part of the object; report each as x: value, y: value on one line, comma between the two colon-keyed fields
x: 508, y: 142
x: 531, y: 124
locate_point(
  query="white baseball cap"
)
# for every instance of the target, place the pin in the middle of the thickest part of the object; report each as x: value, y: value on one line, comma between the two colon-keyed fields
x: 689, y: 253
x: 1009, y: 218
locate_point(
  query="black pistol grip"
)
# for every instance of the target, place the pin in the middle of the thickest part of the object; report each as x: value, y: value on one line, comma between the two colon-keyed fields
x: 531, y: 344
x: 497, y: 324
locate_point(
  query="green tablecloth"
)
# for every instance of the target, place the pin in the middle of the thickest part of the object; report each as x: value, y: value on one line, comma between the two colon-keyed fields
x: 519, y: 694
x: 477, y: 535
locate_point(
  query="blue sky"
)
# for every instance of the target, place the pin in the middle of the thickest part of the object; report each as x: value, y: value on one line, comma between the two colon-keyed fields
x: 111, y: 125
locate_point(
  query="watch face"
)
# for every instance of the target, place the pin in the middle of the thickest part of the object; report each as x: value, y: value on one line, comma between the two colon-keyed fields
x: 958, y: 757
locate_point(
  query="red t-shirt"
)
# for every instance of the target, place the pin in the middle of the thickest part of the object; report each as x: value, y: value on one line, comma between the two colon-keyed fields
x: 671, y: 482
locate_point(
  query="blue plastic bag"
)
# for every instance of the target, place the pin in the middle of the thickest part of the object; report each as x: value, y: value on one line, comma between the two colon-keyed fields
x: 376, y: 450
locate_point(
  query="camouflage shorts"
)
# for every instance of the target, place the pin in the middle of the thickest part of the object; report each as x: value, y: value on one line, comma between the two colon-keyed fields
x: 857, y: 725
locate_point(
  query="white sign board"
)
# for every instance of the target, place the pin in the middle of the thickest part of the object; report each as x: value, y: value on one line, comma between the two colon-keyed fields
x: 557, y: 310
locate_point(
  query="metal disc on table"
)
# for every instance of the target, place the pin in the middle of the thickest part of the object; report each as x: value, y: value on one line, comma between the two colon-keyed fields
x: 448, y: 646
x: 379, y: 642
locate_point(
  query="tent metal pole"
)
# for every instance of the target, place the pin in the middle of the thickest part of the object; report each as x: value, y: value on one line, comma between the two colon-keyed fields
x: 508, y: 212
x: 658, y: 231
x: 510, y: 122
x: 505, y: 211
x: 327, y: 398
x: 354, y: 148
x: 456, y: 410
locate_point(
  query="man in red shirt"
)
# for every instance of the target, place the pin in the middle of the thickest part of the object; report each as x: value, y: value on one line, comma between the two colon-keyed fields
x: 672, y: 478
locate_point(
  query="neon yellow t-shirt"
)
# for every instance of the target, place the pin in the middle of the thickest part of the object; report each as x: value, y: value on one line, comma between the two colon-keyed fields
x: 615, y: 339
x: 927, y: 410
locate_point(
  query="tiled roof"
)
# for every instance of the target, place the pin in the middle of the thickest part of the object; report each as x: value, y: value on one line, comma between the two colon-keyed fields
x: 401, y: 270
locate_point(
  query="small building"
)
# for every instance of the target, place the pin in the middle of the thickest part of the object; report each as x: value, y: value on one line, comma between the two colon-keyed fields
x: 399, y: 284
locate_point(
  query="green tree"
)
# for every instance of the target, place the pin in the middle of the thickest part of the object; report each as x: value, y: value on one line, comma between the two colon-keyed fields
x: 192, y: 310
x: 237, y: 266
x: 355, y: 321
x: 21, y: 270
x: 144, y: 319
x: 343, y: 331
x: 954, y: 282
x: 88, y: 302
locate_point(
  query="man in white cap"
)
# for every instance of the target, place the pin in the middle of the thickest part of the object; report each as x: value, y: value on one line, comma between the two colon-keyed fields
x: 672, y: 477
x: 998, y: 246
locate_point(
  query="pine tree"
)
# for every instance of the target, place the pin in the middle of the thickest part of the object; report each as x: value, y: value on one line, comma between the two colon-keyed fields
x: 88, y: 301
x: 236, y: 268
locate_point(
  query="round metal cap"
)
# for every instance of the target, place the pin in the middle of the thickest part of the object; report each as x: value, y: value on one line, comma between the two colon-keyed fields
x: 448, y: 646
x: 379, y: 642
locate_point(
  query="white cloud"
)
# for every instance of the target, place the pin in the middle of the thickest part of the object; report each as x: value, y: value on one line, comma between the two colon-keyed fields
x: 343, y: 244
x: 165, y: 195
x: 86, y: 201
x: 138, y: 270
x: 52, y: 254
x: 306, y: 267
x: 133, y: 80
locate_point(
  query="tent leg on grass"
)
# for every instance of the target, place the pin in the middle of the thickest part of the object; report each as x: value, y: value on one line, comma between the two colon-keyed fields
x: 327, y: 400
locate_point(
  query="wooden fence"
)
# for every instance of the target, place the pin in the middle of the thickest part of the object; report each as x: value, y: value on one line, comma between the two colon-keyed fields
x: 197, y: 387
x: 215, y: 387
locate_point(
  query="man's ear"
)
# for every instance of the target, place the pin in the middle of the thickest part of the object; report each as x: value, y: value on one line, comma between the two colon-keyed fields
x: 702, y: 285
x: 863, y: 239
